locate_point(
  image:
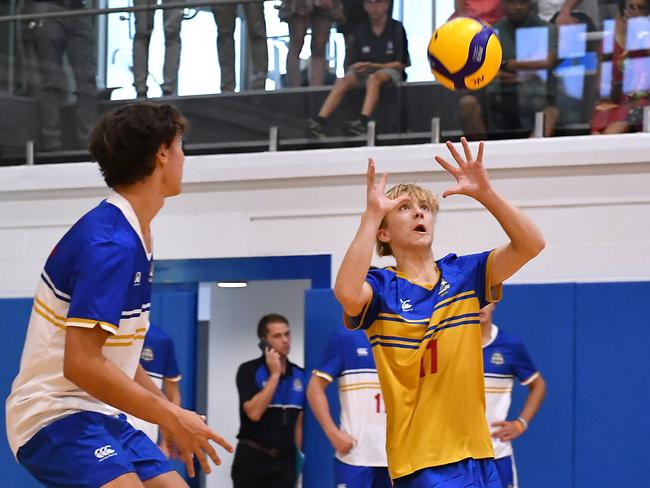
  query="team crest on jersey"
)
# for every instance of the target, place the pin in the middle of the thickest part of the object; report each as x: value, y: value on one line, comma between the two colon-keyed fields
x: 497, y: 358
x: 137, y: 279
x: 362, y: 351
x: 147, y: 354
x: 406, y: 305
x: 444, y: 287
x: 297, y: 385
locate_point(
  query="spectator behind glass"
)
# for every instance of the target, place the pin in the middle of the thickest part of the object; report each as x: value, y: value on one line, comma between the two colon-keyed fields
x: 299, y: 15
x: 224, y: 16
x: 379, y: 57
x: 521, y: 88
x: 488, y: 10
x: 144, y: 20
x: 560, y: 10
x: 624, y: 71
x: 54, y: 37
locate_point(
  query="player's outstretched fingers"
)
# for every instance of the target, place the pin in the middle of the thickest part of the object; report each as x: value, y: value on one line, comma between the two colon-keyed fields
x: 188, y: 459
x: 221, y: 441
x: 203, y: 461
x: 466, y: 149
x: 371, y: 173
x: 212, y: 453
x: 479, y: 156
x: 447, y: 166
x: 455, y: 154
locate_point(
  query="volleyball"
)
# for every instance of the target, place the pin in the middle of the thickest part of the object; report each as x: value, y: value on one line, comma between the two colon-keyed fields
x: 464, y: 53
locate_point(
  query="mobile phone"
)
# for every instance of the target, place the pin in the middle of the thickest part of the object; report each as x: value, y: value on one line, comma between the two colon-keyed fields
x: 263, y: 345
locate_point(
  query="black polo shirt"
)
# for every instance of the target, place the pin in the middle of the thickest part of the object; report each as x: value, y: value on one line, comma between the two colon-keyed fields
x: 276, y: 429
x: 390, y: 45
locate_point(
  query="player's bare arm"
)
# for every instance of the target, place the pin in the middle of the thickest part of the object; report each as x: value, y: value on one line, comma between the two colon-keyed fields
x: 509, y: 430
x: 526, y: 240
x: 86, y: 366
x: 351, y: 288
x: 341, y: 441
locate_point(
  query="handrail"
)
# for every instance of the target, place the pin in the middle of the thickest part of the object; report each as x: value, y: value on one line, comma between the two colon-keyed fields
x: 82, y: 12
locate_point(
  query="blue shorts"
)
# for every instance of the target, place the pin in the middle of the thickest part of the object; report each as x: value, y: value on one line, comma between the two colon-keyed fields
x: 468, y: 473
x: 348, y: 476
x: 89, y: 449
x: 507, y: 471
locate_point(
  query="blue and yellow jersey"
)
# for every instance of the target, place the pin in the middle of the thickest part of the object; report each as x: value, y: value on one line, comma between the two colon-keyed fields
x: 426, y: 340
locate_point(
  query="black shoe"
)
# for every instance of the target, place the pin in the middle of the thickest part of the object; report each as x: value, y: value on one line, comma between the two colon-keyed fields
x: 141, y: 94
x: 315, y: 128
x: 356, y: 128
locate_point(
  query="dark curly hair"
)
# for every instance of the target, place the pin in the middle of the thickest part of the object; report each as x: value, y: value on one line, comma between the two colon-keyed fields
x: 125, y: 141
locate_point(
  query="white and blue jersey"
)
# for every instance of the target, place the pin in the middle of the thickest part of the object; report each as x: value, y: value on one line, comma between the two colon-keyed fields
x: 98, y: 274
x: 158, y: 359
x: 504, y: 359
x: 348, y: 359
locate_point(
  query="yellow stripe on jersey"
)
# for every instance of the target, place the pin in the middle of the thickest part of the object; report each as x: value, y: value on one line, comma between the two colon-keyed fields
x: 402, y: 319
x: 357, y: 386
x: 52, y: 321
x: 48, y: 309
x: 118, y: 344
x: 494, y: 389
x: 369, y: 387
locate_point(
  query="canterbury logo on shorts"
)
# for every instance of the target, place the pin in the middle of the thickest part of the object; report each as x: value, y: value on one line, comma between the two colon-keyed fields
x: 104, y: 452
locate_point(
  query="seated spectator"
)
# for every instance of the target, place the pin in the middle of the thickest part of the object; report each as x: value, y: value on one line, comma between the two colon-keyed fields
x: 522, y: 86
x: 488, y: 10
x: 624, y: 72
x: 559, y: 12
x: 299, y: 15
x: 54, y: 37
x: 224, y: 16
x: 379, y: 57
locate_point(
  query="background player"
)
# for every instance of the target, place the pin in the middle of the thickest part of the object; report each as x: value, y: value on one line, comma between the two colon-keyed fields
x: 158, y: 359
x: 504, y: 358
x: 79, y: 366
x: 360, y: 440
x: 421, y: 317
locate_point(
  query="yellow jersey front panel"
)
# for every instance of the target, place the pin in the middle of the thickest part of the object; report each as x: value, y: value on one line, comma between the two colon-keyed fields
x: 426, y: 341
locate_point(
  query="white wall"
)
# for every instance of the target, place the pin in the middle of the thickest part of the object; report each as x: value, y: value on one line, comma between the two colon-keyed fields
x: 590, y: 195
x: 233, y: 340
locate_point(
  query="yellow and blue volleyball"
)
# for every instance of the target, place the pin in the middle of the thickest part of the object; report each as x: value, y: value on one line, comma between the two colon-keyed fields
x: 464, y: 53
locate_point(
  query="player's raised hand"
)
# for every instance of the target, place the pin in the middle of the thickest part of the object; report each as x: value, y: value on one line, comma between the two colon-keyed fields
x: 471, y: 178
x: 378, y: 202
x: 191, y: 437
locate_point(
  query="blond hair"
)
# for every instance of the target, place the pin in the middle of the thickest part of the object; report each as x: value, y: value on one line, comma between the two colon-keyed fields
x: 418, y: 195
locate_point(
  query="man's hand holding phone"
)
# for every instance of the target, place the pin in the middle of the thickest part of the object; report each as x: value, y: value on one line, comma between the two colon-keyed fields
x: 272, y: 360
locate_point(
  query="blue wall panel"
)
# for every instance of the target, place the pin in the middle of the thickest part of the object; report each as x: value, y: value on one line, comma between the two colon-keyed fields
x: 542, y: 317
x: 323, y: 315
x: 612, y: 385
x: 14, y: 316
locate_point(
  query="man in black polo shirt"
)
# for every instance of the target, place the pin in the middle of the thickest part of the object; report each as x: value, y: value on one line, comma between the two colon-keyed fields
x: 271, y: 399
x: 379, y: 57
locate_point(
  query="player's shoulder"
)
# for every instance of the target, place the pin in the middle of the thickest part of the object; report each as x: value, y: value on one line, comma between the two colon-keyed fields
x: 106, y: 226
x: 297, y: 369
x: 505, y: 338
x: 252, y: 365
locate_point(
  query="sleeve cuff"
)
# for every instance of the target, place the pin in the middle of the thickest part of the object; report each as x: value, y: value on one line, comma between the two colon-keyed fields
x: 532, y: 378
x: 493, y: 293
x: 349, y: 321
x: 90, y: 323
x: 322, y: 374
x: 174, y: 379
